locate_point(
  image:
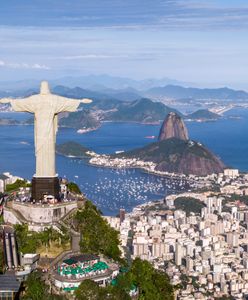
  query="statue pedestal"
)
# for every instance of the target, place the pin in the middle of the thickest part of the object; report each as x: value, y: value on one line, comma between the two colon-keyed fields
x: 45, y: 186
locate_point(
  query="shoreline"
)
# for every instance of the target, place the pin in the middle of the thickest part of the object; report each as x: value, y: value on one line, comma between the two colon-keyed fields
x: 147, y: 167
x: 177, y: 176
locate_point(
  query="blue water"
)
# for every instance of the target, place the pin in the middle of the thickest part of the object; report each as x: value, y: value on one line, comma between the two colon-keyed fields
x: 112, y: 189
x: 227, y: 138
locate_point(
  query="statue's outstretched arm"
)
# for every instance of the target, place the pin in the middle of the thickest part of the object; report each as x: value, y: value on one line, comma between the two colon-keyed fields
x: 84, y: 100
x: 5, y: 100
x: 69, y: 105
x: 23, y: 105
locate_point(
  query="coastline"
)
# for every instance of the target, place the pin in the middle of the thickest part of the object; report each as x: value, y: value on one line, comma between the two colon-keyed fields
x: 100, y: 161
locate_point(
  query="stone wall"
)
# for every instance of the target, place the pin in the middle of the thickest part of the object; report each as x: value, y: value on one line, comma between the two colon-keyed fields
x: 10, y: 217
x: 45, y: 214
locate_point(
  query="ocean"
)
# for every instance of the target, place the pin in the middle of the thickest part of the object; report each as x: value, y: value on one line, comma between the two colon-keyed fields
x: 113, y: 189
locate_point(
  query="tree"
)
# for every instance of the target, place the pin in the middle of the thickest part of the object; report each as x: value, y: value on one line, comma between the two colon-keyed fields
x: 189, y: 204
x: 88, y: 290
x: 16, y: 185
x: 27, y: 241
x: 97, y: 235
x: 64, y: 238
x: 115, y: 293
x: 47, y: 236
x: 152, y: 284
x: 35, y: 288
x: 74, y: 188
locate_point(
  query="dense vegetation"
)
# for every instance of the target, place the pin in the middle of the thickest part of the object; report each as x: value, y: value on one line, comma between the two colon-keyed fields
x: 29, y: 241
x: 37, y: 289
x: 175, y: 155
x: 16, y: 185
x: 74, y: 188
x: 203, y: 114
x: 150, y: 283
x: 97, y: 235
x: 164, y: 150
x: 234, y: 197
x: 72, y: 149
x: 189, y: 205
x: 90, y: 290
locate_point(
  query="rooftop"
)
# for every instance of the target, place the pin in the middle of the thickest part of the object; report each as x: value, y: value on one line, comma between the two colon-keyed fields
x: 85, y: 257
x: 3, y: 177
x: 9, y: 283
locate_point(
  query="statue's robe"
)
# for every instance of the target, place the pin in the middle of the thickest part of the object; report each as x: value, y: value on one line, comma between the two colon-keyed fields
x: 45, y: 109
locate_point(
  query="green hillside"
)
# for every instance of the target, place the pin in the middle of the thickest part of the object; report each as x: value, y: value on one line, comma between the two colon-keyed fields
x: 72, y: 149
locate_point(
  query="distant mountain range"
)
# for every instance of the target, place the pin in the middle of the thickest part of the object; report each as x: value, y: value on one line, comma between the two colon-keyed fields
x: 157, y: 93
x: 179, y: 92
x: 106, y: 107
x: 123, y: 89
x: 93, y: 82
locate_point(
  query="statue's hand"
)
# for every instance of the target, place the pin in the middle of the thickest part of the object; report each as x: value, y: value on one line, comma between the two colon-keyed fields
x: 86, y: 100
x: 5, y: 100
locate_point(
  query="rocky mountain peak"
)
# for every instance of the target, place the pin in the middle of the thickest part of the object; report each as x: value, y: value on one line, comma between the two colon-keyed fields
x: 173, y: 127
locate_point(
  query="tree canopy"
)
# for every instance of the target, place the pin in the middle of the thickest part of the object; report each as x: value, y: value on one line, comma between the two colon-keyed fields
x: 189, y: 204
x: 97, y: 235
x: 73, y: 187
x: 37, y: 289
x: 29, y: 241
x: 150, y: 283
x: 16, y: 185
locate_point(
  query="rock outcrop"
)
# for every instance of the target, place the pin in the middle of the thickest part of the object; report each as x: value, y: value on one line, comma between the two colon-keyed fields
x: 173, y: 127
x: 177, y: 156
x: 176, y: 153
x: 193, y: 158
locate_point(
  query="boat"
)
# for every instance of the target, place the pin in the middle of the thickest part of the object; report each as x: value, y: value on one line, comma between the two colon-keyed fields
x: 150, y: 137
x: 24, y: 143
x: 82, y: 131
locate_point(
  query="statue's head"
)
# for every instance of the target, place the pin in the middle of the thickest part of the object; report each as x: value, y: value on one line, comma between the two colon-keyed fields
x: 44, y: 88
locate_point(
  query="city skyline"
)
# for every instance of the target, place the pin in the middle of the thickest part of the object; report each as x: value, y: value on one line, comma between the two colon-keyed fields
x: 201, y: 43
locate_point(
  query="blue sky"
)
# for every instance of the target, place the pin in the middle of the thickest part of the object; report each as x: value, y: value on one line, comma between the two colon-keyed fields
x: 203, y: 42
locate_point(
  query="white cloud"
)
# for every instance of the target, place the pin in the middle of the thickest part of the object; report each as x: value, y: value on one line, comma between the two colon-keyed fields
x: 23, y: 65
x: 93, y: 56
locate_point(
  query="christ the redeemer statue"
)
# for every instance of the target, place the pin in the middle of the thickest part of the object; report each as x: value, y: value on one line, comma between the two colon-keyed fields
x: 45, y: 107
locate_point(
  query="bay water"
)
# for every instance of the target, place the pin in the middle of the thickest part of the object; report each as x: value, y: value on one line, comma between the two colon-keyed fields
x: 112, y: 189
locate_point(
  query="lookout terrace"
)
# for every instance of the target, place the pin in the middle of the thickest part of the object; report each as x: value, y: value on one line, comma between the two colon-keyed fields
x: 69, y: 273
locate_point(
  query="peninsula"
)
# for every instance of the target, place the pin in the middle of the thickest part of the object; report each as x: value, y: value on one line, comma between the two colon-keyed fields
x: 174, y: 153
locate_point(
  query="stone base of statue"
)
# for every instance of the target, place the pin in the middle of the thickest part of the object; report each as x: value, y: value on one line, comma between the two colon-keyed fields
x: 42, y: 186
